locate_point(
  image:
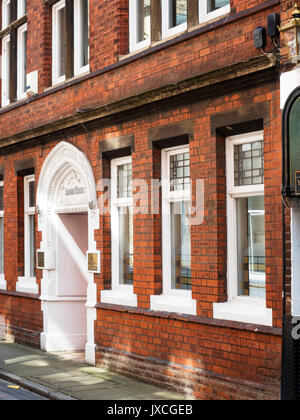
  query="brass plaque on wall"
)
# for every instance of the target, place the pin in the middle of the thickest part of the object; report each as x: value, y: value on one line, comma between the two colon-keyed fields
x: 93, y: 262
x: 41, y: 259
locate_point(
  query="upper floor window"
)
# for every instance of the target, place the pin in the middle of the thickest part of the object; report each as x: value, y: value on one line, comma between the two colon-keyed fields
x: 6, y: 13
x: 139, y: 16
x: 22, y: 8
x: 59, y: 40
x: 5, y: 63
x: 14, y: 52
x: 22, y: 62
x: 81, y: 36
x: 69, y: 59
x: 211, y: 9
x: 174, y: 17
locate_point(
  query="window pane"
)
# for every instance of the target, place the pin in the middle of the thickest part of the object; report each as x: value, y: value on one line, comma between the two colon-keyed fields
x: 126, y: 245
x: 249, y: 164
x: 32, y: 244
x: 31, y: 195
x: 217, y: 4
x: 1, y: 246
x: 177, y: 12
x: 124, y: 186
x: 84, y: 16
x: 143, y: 20
x: 180, y: 246
x: 6, y: 10
x: 180, y: 172
x: 6, y: 71
x: 24, y: 61
x: 61, y: 42
x: 251, y: 246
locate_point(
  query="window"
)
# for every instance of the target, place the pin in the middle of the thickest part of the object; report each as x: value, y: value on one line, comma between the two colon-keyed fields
x: 176, y: 234
x: 2, y: 281
x: 81, y: 36
x: 22, y: 8
x: 5, y: 70
x: 246, y: 272
x: 22, y: 62
x: 6, y: 13
x: 59, y: 42
x: 140, y: 31
x: 14, y: 52
x: 174, y: 17
x: 70, y: 59
x: 211, y: 9
x: 28, y: 282
x: 121, y: 234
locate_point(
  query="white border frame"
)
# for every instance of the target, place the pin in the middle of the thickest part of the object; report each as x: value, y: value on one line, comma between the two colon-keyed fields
x: 55, y: 9
x: 21, y: 8
x: 27, y: 283
x: 166, y: 30
x: 5, y: 100
x: 171, y: 300
x: 5, y: 22
x: 120, y: 294
x: 239, y: 308
x: 133, y: 21
x: 21, y: 72
x: 204, y: 15
x: 78, y: 39
x: 3, y: 284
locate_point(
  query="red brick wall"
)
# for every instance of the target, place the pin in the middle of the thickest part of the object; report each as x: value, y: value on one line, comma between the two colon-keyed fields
x: 23, y: 318
x: 220, y: 356
x: 222, y: 46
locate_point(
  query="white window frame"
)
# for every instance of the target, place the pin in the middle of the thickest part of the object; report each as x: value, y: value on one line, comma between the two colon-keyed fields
x: 5, y: 21
x: 204, y: 15
x: 27, y: 284
x: 239, y: 308
x: 3, y: 284
x: 134, y: 45
x: 5, y: 99
x: 171, y: 300
x: 20, y: 63
x: 120, y: 294
x: 21, y: 8
x: 166, y: 31
x: 78, y: 40
x: 55, y: 9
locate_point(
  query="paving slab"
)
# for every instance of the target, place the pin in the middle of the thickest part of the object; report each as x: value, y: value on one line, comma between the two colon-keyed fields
x: 74, y: 378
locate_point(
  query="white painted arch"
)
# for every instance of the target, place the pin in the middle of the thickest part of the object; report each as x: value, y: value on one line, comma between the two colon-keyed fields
x: 66, y: 186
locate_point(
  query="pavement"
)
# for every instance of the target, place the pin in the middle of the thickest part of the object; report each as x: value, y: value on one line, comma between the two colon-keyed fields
x: 66, y: 377
x: 11, y: 392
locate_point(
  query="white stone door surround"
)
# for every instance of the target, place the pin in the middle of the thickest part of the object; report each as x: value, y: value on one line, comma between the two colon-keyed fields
x: 66, y: 185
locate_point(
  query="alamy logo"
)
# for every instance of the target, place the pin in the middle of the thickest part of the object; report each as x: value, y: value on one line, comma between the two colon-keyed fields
x: 296, y: 328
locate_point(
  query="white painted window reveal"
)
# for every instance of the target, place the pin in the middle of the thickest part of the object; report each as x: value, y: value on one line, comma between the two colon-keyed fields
x: 176, y: 235
x: 28, y: 283
x: 246, y: 276
x: 121, y: 292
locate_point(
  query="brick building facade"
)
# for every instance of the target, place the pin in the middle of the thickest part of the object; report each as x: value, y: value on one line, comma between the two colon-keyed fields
x: 134, y: 99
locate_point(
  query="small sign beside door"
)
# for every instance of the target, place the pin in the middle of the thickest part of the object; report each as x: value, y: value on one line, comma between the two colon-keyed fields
x: 93, y: 261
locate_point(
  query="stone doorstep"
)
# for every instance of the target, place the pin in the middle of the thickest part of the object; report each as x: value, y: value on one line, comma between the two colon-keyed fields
x: 38, y: 389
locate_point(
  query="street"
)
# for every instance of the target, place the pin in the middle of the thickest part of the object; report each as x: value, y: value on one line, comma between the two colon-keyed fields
x: 13, y: 394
